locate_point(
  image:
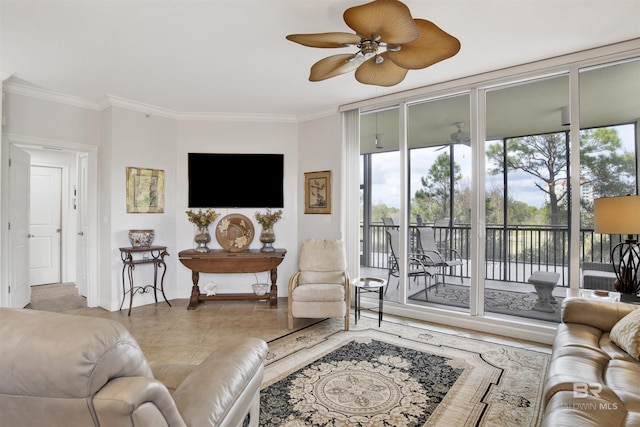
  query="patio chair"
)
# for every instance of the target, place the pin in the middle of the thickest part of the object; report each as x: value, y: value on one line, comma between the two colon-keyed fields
x: 441, y: 232
x: 416, y: 268
x: 431, y: 255
x: 388, y: 222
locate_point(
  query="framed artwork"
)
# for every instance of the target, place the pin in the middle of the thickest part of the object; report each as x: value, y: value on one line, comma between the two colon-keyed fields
x: 317, y: 192
x: 145, y: 190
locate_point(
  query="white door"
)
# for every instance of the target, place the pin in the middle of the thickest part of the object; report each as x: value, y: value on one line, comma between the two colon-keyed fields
x: 45, y: 225
x: 82, y: 251
x: 19, y: 175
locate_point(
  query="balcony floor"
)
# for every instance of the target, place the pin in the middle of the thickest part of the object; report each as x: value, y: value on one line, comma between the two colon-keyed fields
x: 504, y: 298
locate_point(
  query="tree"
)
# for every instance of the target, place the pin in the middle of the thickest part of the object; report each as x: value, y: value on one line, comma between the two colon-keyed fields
x: 605, y: 167
x: 436, y: 191
x: 380, y: 211
x: 542, y: 156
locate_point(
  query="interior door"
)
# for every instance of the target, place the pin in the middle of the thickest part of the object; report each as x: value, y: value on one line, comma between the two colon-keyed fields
x: 19, y: 177
x: 83, y: 221
x: 45, y: 225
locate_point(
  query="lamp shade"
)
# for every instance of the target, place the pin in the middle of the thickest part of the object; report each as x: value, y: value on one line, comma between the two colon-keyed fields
x: 617, y: 215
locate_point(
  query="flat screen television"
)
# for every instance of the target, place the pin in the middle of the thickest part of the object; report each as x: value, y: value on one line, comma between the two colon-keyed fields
x: 223, y: 180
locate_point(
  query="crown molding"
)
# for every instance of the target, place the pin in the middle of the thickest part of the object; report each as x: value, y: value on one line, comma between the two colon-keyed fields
x: 239, y: 117
x: 48, y: 95
x: 115, y: 101
x: 318, y: 115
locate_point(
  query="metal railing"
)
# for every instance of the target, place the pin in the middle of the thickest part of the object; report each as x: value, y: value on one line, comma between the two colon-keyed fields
x: 512, y: 253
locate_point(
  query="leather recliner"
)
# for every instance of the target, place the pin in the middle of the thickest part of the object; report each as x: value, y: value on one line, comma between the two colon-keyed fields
x: 63, y: 370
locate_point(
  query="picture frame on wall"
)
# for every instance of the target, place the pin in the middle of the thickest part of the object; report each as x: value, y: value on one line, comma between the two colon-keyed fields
x: 317, y: 192
x: 145, y: 190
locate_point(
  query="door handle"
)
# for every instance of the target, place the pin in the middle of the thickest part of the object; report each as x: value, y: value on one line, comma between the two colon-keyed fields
x: 30, y: 236
x: 81, y: 234
x: 58, y: 230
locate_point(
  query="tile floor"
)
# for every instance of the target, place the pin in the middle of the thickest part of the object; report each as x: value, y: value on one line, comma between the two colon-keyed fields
x: 175, y: 334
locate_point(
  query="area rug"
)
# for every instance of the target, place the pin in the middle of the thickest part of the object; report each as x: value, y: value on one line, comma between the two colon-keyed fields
x: 56, y: 297
x: 496, y: 301
x: 398, y: 376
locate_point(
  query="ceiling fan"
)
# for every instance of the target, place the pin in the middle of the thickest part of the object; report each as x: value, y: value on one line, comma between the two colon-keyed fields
x: 460, y: 137
x: 409, y: 44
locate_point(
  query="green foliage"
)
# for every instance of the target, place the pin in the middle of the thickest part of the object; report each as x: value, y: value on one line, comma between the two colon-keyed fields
x: 383, y: 211
x: 435, y: 195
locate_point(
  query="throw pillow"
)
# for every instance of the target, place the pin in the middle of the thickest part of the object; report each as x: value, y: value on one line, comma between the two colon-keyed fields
x: 626, y: 334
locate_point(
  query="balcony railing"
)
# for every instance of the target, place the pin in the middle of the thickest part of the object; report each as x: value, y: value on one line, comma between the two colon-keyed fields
x: 512, y: 253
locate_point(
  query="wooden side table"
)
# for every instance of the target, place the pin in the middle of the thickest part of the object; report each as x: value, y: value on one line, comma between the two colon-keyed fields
x: 368, y: 284
x: 222, y: 261
x: 150, y: 255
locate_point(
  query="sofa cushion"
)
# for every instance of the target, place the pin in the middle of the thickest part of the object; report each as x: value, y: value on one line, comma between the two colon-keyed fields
x: 626, y: 334
x: 322, y: 255
x: 319, y: 293
x: 87, y: 354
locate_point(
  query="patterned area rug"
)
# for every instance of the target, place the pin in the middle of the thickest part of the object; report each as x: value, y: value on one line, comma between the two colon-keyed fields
x: 398, y: 376
x: 496, y: 301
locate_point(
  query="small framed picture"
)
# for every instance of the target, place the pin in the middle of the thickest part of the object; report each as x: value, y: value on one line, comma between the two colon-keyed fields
x: 145, y: 190
x: 317, y: 192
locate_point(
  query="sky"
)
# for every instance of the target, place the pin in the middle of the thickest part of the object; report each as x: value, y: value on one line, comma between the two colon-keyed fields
x: 386, y: 172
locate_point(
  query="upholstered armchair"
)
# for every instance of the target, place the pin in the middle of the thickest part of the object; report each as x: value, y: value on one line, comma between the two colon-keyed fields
x: 63, y: 370
x: 320, y: 288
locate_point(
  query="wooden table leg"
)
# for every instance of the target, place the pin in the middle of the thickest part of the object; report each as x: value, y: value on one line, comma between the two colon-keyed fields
x: 273, y: 294
x: 195, y: 291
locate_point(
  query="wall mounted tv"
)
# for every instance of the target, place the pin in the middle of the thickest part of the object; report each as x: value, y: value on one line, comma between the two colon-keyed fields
x: 223, y: 180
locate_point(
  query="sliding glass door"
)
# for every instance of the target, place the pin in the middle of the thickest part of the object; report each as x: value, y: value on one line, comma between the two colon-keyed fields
x: 420, y: 201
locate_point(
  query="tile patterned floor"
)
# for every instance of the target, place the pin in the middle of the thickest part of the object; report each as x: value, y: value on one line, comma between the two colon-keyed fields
x: 175, y: 334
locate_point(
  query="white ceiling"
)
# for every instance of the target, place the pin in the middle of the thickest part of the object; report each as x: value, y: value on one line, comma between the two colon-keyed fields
x: 214, y: 56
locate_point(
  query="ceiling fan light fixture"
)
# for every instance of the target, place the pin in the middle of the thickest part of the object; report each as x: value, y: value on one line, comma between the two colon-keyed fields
x: 383, y: 73
x: 410, y: 44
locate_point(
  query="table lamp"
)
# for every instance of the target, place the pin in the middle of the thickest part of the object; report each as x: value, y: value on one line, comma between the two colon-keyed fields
x: 621, y: 215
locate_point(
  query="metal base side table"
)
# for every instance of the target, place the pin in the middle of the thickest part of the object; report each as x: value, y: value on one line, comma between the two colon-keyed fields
x: 150, y: 255
x: 368, y: 284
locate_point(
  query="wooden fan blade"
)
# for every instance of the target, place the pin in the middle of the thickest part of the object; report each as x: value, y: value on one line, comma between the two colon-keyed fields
x: 385, y: 73
x: 433, y: 45
x: 390, y: 19
x: 334, y: 66
x: 325, y: 39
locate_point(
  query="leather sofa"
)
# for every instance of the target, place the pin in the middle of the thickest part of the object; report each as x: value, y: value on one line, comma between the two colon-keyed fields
x: 591, y: 381
x: 63, y: 370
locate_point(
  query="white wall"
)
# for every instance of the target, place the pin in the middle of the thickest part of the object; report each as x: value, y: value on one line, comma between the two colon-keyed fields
x: 128, y: 137
x: 38, y: 118
x: 320, y: 144
x: 238, y: 137
x: 140, y: 140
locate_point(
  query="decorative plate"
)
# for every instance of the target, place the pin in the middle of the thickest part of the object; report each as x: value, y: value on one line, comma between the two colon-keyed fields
x: 235, y: 232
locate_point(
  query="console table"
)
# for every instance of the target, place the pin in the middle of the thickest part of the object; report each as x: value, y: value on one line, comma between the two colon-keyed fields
x: 223, y: 261
x: 150, y: 255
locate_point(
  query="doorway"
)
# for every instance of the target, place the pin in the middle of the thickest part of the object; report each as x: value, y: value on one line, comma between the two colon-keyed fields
x: 77, y: 164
